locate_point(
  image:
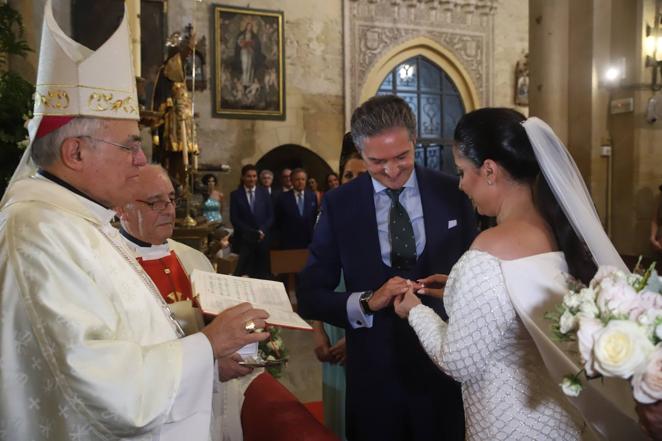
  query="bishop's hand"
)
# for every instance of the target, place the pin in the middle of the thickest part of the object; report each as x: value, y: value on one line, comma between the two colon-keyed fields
x: 230, y: 330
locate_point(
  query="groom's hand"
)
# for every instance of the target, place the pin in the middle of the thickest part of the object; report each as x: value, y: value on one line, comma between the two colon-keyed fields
x: 383, y: 297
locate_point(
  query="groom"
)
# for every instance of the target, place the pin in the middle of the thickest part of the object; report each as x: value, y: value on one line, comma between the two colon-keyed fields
x: 400, y: 222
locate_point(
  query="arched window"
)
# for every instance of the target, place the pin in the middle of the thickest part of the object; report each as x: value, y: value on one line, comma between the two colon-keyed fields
x: 436, y: 103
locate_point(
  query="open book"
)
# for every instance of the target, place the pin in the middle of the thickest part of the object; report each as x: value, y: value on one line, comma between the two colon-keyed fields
x: 219, y: 291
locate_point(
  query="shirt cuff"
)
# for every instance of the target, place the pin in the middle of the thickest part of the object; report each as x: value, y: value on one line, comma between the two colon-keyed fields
x: 355, y: 315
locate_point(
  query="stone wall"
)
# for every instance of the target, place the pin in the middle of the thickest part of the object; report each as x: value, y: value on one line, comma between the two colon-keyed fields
x: 313, y: 84
x: 511, y: 42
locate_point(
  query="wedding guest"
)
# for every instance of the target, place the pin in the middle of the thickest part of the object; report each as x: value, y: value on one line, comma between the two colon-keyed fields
x: 251, y: 214
x: 211, y: 208
x: 332, y: 181
x: 312, y: 186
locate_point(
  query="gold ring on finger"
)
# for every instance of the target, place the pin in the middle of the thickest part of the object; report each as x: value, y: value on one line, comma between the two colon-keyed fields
x: 250, y: 326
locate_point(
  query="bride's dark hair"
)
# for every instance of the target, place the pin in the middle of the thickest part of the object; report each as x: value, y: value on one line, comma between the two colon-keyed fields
x: 498, y: 134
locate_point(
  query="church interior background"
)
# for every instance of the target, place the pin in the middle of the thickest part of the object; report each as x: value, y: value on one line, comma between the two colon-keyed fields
x: 544, y: 58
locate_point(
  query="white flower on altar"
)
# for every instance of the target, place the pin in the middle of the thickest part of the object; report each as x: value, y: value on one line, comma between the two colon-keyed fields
x: 571, y: 385
x: 647, y: 383
x: 567, y: 322
x: 588, y: 329
x: 621, y: 348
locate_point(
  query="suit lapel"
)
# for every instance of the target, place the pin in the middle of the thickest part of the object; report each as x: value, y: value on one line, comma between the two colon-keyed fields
x: 433, y: 213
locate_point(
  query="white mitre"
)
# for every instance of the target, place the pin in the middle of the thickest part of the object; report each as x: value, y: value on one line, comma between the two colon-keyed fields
x: 73, y: 80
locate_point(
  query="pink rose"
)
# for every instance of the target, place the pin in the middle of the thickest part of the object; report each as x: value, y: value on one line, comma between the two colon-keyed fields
x: 647, y: 384
x: 616, y: 296
x: 588, y: 328
x: 648, y: 301
x: 606, y: 272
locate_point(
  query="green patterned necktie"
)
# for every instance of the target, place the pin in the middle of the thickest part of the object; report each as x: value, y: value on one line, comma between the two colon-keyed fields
x: 401, y: 234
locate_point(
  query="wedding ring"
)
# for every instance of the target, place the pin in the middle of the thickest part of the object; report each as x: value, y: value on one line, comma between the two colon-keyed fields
x: 249, y: 326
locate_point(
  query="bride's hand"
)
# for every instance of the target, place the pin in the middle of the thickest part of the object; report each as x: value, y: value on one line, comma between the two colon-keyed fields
x: 404, y: 303
x: 432, y: 286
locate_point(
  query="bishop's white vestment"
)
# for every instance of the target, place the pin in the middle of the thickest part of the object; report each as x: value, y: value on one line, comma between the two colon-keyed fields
x: 88, y: 348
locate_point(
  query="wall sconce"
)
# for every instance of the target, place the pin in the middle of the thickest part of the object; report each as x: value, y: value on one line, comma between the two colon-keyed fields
x: 614, y: 73
x: 653, y: 46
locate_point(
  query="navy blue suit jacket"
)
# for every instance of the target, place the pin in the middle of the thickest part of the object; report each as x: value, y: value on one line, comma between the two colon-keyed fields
x: 246, y: 223
x: 294, y: 230
x: 409, y: 397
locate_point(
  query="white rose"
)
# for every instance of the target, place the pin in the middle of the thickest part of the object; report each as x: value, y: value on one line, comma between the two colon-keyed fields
x: 616, y: 297
x: 647, y: 384
x: 658, y: 331
x: 588, y: 328
x: 571, y: 386
x: 567, y: 322
x: 620, y: 349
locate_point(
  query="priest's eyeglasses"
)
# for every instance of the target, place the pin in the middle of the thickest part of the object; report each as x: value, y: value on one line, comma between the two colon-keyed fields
x: 134, y: 149
x: 159, y: 205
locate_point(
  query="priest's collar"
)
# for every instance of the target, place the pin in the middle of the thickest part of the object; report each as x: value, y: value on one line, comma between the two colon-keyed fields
x: 145, y: 249
x: 68, y: 186
x: 135, y: 240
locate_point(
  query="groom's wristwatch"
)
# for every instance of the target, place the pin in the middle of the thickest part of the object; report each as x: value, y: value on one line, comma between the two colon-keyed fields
x: 363, y: 301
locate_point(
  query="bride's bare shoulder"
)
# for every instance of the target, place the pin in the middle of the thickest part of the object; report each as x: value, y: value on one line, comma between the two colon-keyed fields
x: 515, y: 240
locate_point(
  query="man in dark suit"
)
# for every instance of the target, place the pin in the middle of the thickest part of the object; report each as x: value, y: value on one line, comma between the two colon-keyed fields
x: 296, y: 212
x: 251, y: 214
x: 397, y: 224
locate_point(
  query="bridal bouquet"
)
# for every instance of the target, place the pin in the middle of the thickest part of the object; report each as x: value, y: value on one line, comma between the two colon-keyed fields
x: 616, y: 323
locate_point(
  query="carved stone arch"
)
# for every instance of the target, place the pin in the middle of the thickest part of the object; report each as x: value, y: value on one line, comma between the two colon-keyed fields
x: 434, y: 52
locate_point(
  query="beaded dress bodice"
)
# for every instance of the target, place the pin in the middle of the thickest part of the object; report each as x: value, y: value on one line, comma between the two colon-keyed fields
x: 507, y: 392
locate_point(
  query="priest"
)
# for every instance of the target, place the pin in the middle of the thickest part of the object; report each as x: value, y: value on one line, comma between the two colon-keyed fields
x: 89, y: 348
x: 147, y: 223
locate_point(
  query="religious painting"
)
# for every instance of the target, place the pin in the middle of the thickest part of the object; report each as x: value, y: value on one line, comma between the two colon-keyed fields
x: 249, y: 63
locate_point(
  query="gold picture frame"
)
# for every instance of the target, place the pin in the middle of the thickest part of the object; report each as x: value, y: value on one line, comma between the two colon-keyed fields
x: 249, y: 63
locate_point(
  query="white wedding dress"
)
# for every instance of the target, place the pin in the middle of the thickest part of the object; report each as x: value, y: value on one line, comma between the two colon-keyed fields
x: 507, y: 391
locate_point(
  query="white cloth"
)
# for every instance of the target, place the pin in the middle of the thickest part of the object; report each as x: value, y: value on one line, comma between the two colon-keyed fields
x: 89, y: 351
x: 228, y: 397
x: 506, y: 390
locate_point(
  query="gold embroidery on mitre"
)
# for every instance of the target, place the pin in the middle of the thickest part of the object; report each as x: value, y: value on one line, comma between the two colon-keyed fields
x: 175, y: 296
x: 101, y: 102
x: 54, y: 99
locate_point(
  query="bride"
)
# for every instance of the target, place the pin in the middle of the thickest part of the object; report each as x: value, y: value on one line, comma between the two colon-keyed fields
x: 497, y: 293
